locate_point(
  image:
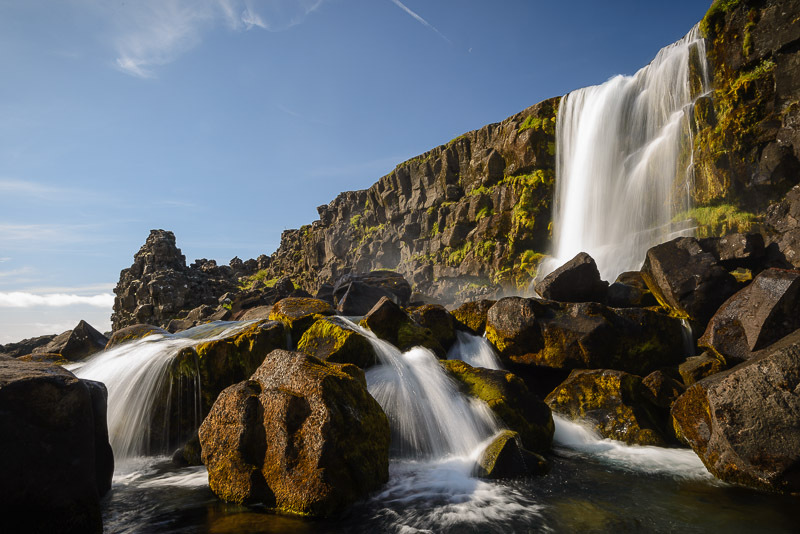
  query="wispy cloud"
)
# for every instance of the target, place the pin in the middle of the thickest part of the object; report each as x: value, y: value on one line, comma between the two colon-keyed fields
x: 19, y: 299
x: 43, y: 232
x: 27, y: 188
x: 419, y: 19
x: 152, y: 33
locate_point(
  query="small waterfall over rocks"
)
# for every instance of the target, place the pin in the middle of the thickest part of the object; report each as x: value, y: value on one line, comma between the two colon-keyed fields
x: 474, y: 350
x: 624, y: 161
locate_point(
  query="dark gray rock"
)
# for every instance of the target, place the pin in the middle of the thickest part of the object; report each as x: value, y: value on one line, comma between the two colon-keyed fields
x: 75, y: 344
x: 578, y: 280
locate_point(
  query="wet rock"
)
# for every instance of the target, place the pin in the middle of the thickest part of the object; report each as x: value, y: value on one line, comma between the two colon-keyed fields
x: 331, y: 339
x: 696, y: 368
x: 26, y: 346
x: 755, y: 317
x: 567, y: 336
x: 614, y: 402
x: 189, y: 454
x: 687, y: 280
x: 510, y: 400
x: 391, y: 323
x: 76, y: 344
x: 744, y: 423
x: 578, y: 280
x: 629, y: 291
x: 255, y: 314
x: 471, y: 316
x: 56, y: 460
x: 438, y: 320
x: 783, y: 221
x: 736, y: 250
x: 505, y: 458
x: 298, y: 314
x: 301, y: 436
x: 133, y: 332
x: 661, y: 389
x: 356, y: 294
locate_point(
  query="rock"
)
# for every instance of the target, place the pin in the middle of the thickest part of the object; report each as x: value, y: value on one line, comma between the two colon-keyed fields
x: 629, y: 291
x: 744, y: 423
x: 687, y: 280
x: 696, y: 368
x: 56, y: 460
x: 45, y: 357
x: 26, y: 346
x: 255, y: 314
x: 736, y: 250
x: 331, y: 339
x: 301, y: 436
x: 76, y: 344
x: 661, y: 389
x: 438, y: 320
x: 578, y: 280
x: 505, y: 458
x: 356, y: 294
x: 325, y: 292
x: 231, y: 359
x: 471, y: 316
x: 510, y: 400
x: 189, y: 454
x: 298, y: 314
x: 783, y: 220
x: 613, y: 402
x: 133, y: 332
x: 755, y: 317
x: 391, y: 323
x: 533, y: 332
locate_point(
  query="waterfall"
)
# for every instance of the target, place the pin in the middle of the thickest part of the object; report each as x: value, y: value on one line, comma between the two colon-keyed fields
x: 624, y: 161
x: 148, y: 398
x: 429, y: 417
x: 474, y: 350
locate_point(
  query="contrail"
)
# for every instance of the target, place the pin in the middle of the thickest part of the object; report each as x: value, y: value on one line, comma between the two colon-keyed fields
x: 402, y: 6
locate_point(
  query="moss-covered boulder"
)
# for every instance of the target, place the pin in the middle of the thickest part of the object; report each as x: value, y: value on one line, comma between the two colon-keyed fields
x: 225, y: 361
x: 504, y: 457
x: 300, y: 436
x: 438, y: 320
x: 471, y: 316
x: 696, y: 368
x: 509, y: 399
x: 332, y: 339
x: 613, y: 402
x: 298, y: 314
x: 661, y: 389
x: 587, y: 335
x: 744, y: 423
x: 132, y: 333
x: 391, y: 323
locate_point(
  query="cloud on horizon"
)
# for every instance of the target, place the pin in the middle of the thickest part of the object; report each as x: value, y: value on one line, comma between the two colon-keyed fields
x: 151, y: 33
x: 20, y: 299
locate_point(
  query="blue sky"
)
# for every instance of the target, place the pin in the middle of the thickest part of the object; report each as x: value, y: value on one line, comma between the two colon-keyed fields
x: 228, y: 121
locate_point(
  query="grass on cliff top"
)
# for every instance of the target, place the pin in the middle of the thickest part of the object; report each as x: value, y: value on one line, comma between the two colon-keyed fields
x: 260, y: 276
x: 717, y: 9
x: 719, y: 220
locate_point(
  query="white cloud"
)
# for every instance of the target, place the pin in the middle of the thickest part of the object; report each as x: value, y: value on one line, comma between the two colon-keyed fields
x: 19, y: 299
x: 42, y: 232
x: 152, y: 33
x: 419, y: 19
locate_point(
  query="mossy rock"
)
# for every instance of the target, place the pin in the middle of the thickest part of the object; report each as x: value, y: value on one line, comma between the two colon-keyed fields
x: 299, y: 313
x: 45, y: 357
x: 331, y: 339
x: 471, y: 316
x: 438, y: 320
x: 696, y: 368
x: 510, y: 400
x: 613, y: 402
x: 391, y: 323
x: 505, y: 458
x: 134, y: 332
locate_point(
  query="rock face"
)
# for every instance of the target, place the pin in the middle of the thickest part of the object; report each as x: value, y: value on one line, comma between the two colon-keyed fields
x: 614, y: 402
x: 744, y: 423
x: 75, y: 344
x: 687, y: 280
x: 783, y: 224
x: 567, y: 336
x: 458, y: 221
x: 301, y: 435
x: 755, y: 317
x: 56, y: 460
x: 578, y: 280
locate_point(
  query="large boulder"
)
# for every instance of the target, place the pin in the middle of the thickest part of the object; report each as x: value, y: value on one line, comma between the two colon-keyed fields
x: 755, y: 317
x: 332, y: 339
x: 783, y: 221
x: 578, y: 280
x: 301, y: 436
x: 744, y: 423
x: 356, y: 294
x: 736, y: 250
x: 76, y: 344
x: 56, y: 461
x: 588, y: 335
x: 438, y: 320
x: 629, y: 290
x: 687, y: 280
x: 298, y: 314
x: 509, y: 399
x: 504, y: 457
x: 391, y: 323
x: 132, y: 333
x: 696, y: 368
x: 615, y: 403
x: 471, y: 316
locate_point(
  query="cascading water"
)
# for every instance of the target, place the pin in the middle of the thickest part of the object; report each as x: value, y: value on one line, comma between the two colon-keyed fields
x: 144, y: 392
x: 474, y: 350
x: 624, y: 161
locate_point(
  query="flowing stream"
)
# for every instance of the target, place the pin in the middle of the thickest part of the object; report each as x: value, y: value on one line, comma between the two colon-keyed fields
x: 624, y: 161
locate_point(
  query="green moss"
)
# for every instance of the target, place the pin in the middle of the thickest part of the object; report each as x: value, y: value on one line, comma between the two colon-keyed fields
x: 484, y: 212
x: 719, y: 220
x: 456, y: 257
x: 260, y: 276
x: 457, y: 139
x: 434, y: 229
x: 715, y: 15
x: 482, y: 190
x: 355, y: 219
x: 533, y: 122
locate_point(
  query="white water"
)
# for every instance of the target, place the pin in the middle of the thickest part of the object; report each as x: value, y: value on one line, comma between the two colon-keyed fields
x: 624, y: 167
x: 474, y: 350
x: 137, y: 377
